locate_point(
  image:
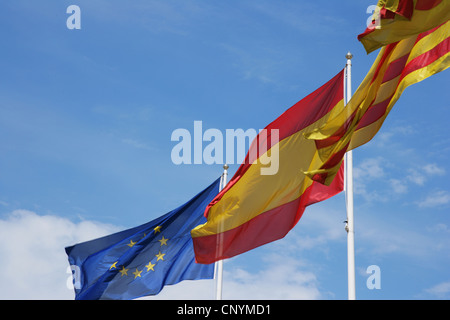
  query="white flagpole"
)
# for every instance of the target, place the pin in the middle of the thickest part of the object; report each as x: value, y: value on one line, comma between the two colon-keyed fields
x: 219, y: 264
x: 349, y: 194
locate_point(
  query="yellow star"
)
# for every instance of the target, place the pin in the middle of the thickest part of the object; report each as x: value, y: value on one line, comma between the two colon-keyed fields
x: 163, y: 241
x: 113, y: 265
x: 124, y: 271
x: 160, y: 256
x: 157, y: 229
x: 137, y: 273
x: 131, y: 244
x: 150, y: 266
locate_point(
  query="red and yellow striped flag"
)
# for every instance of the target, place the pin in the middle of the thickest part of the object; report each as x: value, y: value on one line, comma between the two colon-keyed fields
x: 255, y: 208
x: 397, y: 66
x: 394, y: 20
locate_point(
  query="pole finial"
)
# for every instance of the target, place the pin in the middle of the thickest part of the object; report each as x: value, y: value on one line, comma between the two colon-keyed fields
x: 225, y: 166
x: 349, y: 56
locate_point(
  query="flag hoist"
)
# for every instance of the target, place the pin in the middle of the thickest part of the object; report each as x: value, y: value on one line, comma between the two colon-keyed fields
x: 218, y: 275
x: 349, y: 227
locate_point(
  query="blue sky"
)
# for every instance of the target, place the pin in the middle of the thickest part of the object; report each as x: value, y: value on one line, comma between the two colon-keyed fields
x: 86, y: 118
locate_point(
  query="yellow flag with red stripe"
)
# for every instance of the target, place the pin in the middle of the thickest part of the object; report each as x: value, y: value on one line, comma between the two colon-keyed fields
x: 397, y: 66
x: 394, y: 20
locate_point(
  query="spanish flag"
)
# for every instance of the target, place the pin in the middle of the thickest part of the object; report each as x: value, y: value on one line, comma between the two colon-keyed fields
x: 258, y: 206
x: 397, y: 66
x: 394, y: 20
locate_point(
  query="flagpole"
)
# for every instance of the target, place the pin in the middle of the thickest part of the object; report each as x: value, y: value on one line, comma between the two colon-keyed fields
x: 349, y: 227
x: 219, y: 264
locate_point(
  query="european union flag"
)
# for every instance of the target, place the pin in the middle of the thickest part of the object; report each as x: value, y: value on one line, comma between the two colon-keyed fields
x: 141, y: 261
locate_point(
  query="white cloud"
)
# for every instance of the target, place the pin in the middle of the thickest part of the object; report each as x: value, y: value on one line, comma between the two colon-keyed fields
x: 420, y: 175
x: 433, y: 169
x: 398, y: 186
x: 369, y: 168
x: 384, y: 238
x: 136, y: 144
x: 437, y: 198
x: 386, y: 137
x: 33, y: 261
x: 282, y: 278
x: 440, y: 291
x: 388, y: 235
x: 4, y: 203
x: 440, y: 227
x: 366, y: 171
x: 416, y: 177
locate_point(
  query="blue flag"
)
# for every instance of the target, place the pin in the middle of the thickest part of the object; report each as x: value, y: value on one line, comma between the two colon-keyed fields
x: 141, y: 261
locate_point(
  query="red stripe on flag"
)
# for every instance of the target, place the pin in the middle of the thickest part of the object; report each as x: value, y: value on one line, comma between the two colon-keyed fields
x: 427, y: 4
x: 386, y: 14
x: 395, y: 68
x: 405, y: 8
x: 428, y: 57
x: 337, y: 135
x: 387, y: 52
x: 335, y: 158
x: 310, y: 109
x: 374, y: 113
x: 320, y: 192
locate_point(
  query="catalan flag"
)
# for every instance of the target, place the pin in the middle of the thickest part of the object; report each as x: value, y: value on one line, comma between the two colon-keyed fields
x: 255, y: 207
x: 140, y: 261
x: 397, y: 66
x: 394, y: 20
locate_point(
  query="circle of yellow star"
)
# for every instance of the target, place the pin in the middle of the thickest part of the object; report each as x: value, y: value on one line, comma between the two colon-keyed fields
x: 137, y: 273
x: 124, y: 271
x: 157, y: 229
x: 160, y: 256
x: 150, y: 266
x: 163, y: 241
